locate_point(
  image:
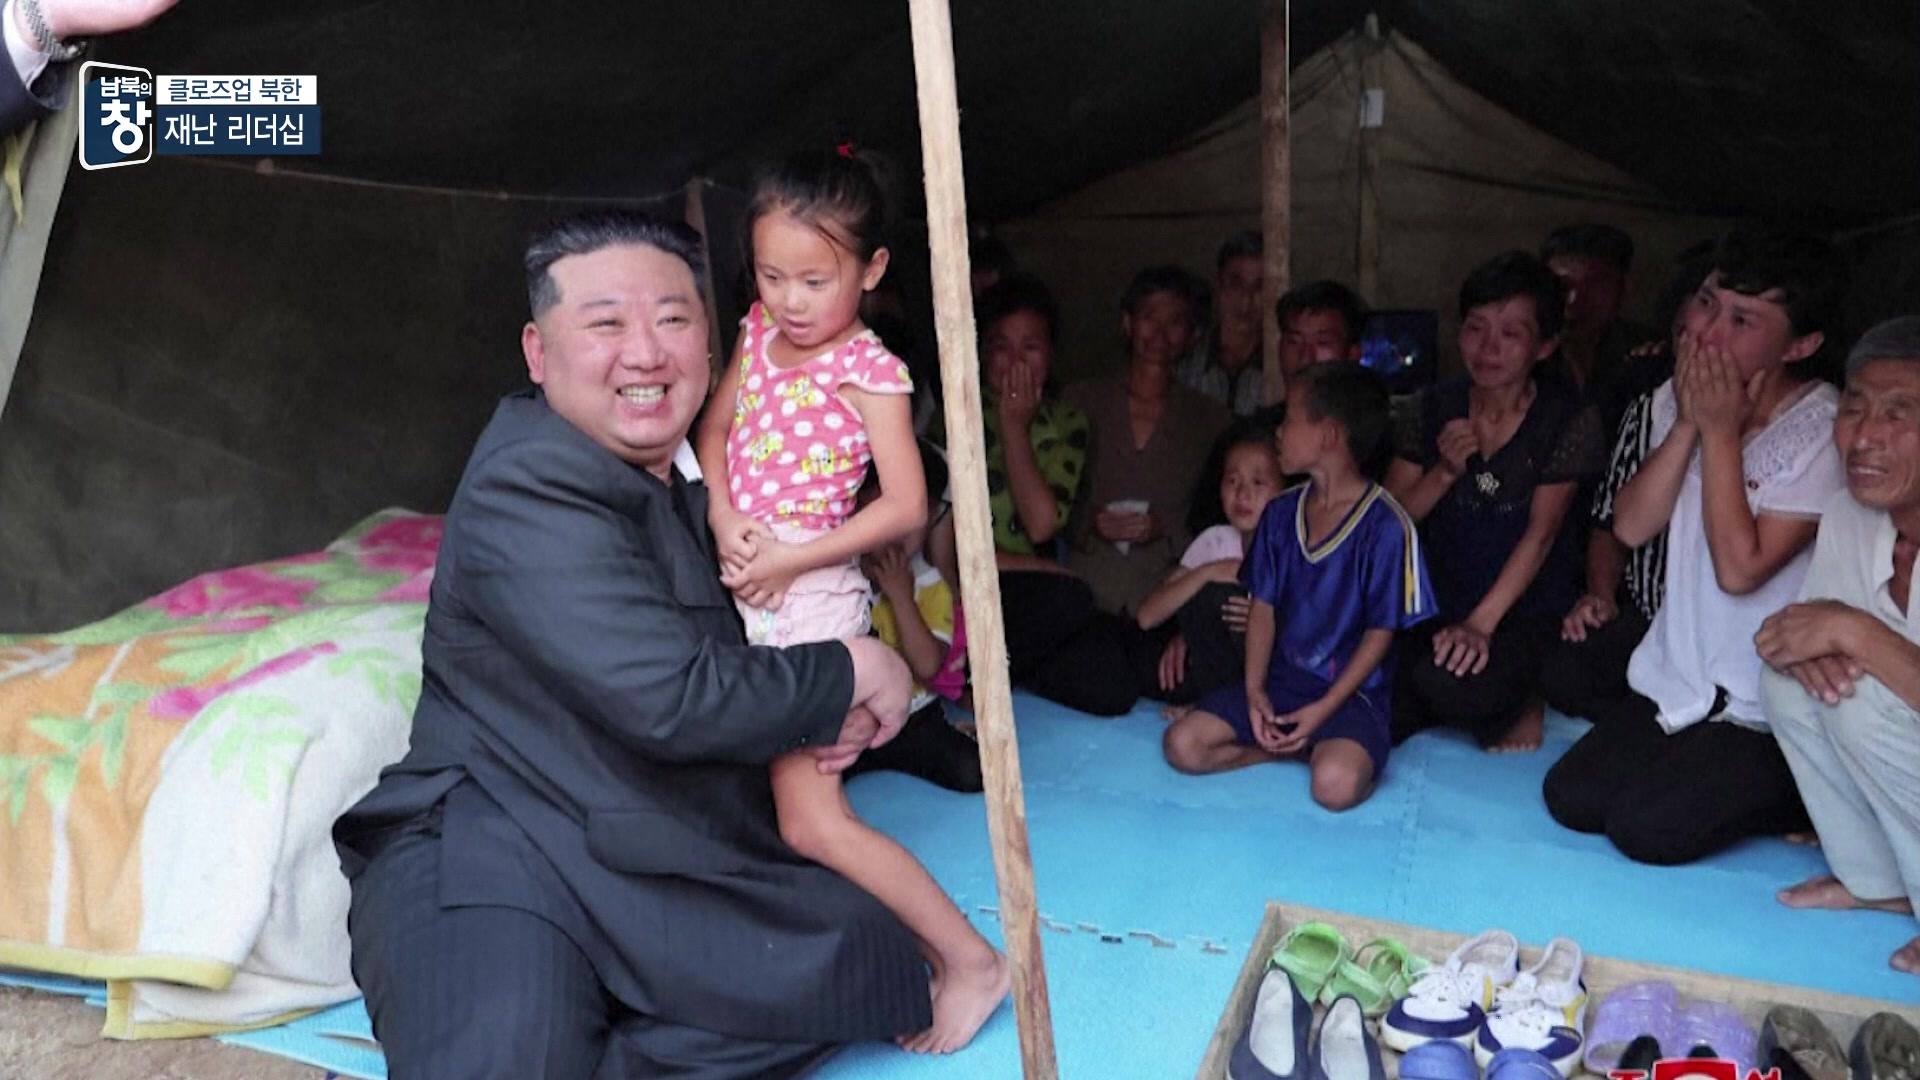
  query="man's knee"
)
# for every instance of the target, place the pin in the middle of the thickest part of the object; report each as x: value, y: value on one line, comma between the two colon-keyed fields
x: 545, y: 1017
x: 641, y: 1046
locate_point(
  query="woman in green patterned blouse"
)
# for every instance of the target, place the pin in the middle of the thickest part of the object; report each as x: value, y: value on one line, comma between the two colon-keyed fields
x: 1059, y: 646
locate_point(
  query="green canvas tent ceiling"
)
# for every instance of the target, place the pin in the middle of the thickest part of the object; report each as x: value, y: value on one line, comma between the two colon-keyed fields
x: 1786, y: 110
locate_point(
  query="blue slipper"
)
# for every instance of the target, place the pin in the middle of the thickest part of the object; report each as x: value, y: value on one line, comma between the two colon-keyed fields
x: 1274, y: 1046
x: 1441, y: 1060
x: 1518, y: 1063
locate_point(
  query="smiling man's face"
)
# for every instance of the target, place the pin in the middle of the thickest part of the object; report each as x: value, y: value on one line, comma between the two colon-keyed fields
x: 622, y: 354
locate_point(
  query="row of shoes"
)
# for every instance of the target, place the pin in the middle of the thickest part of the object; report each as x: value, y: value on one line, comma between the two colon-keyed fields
x: 1479, y: 1010
x: 1645, y: 1022
x: 1280, y: 1043
x: 1481, y: 1000
x: 1796, y: 1042
x: 1793, y: 1040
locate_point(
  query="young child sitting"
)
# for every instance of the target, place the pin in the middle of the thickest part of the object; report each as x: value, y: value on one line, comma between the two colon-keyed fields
x: 1336, y: 571
x: 1208, y: 652
x: 917, y: 611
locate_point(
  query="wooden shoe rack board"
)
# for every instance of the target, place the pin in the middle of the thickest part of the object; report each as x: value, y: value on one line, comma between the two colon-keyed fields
x: 1841, y: 1013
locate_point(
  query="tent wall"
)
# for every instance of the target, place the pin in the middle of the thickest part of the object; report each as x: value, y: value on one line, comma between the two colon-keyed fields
x: 1883, y: 276
x: 1459, y: 179
x: 225, y: 367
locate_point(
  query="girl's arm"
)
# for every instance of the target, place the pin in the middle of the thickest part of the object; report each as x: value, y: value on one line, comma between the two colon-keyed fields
x: 943, y: 547
x: 710, y: 441
x: 736, y: 536
x: 1547, y: 510
x: 1182, y: 585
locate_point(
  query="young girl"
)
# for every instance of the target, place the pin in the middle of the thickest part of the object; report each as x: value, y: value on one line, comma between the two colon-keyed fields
x: 816, y: 399
x: 1210, y: 651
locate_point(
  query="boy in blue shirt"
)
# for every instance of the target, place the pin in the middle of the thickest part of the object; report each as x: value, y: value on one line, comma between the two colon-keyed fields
x: 1335, y: 571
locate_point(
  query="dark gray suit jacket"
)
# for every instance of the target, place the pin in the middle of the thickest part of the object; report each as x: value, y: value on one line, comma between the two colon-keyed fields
x: 597, y: 734
x: 22, y: 105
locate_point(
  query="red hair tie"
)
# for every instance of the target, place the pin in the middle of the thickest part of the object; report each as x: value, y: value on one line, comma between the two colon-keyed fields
x: 845, y: 150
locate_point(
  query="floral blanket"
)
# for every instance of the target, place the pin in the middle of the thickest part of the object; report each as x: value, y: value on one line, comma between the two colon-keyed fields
x: 169, y: 777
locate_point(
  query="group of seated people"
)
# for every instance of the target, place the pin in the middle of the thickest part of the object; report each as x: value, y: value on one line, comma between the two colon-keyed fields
x: 1350, y: 570
x: 620, y: 826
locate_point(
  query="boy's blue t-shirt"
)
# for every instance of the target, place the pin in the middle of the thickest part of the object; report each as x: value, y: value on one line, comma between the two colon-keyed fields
x: 1369, y: 574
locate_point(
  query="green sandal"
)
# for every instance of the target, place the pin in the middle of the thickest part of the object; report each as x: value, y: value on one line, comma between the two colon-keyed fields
x: 1311, y: 953
x: 1377, y: 975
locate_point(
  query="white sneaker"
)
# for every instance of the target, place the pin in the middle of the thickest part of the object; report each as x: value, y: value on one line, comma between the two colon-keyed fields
x: 1449, y: 1001
x: 1545, y: 1010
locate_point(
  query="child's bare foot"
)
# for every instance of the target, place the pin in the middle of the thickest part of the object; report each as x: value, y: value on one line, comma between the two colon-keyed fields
x: 1826, y: 891
x: 1526, y: 732
x: 1907, y: 958
x: 1809, y: 839
x: 936, y: 978
x: 964, y: 1000
x: 1171, y: 713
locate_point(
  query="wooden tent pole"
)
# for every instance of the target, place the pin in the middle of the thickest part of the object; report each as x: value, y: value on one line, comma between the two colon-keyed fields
x: 695, y: 211
x: 1367, y: 258
x: 1276, y: 187
x: 980, y: 580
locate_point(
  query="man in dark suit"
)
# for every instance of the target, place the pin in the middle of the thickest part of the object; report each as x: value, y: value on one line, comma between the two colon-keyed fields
x: 576, y: 871
x: 42, y: 36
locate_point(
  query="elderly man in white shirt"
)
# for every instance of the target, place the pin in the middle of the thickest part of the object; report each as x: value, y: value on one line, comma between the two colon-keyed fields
x: 1842, y: 689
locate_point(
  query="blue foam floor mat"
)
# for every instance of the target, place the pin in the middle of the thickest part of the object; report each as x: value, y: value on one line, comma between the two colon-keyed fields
x: 1179, y: 869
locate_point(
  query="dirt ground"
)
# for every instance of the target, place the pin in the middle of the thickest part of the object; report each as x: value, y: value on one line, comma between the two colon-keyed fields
x: 53, y: 1037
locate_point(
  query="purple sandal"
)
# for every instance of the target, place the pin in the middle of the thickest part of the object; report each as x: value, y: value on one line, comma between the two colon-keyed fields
x: 1653, y: 1008
x: 1714, y: 1024
x: 1636, y: 1009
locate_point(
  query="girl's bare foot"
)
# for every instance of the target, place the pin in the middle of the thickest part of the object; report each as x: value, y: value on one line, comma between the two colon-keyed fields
x: 1826, y: 891
x: 1171, y: 713
x: 936, y: 978
x: 1526, y: 732
x: 965, y: 999
x: 1810, y: 839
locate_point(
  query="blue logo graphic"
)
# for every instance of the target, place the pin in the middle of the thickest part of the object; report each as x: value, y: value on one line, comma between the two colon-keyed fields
x: 116, y: 115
